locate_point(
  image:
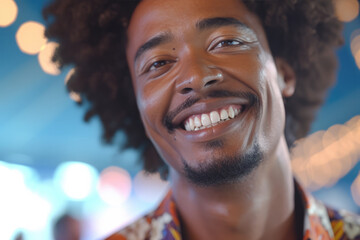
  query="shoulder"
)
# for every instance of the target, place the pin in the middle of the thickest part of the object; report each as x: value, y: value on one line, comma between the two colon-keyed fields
x: 345, y: 225
x: 146, y: 227
x: 162, y: 223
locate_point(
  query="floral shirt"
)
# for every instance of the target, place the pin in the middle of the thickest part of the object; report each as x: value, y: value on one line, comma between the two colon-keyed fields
x: 320, y: 223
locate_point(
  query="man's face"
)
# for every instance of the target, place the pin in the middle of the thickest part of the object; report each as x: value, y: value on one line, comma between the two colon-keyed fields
x: 206, y: 84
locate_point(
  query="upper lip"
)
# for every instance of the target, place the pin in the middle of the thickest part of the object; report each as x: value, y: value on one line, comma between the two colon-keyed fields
x: 206, y: 107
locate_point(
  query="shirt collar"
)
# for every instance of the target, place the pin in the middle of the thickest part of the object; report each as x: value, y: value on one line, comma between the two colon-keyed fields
x: 317, y: 223
x: 316, y: 219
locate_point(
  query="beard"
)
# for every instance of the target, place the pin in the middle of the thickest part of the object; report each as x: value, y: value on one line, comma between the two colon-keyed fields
x: 224, y: 169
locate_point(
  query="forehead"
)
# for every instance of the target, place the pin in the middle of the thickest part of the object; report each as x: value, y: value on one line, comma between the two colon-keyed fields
x: 152, y: 17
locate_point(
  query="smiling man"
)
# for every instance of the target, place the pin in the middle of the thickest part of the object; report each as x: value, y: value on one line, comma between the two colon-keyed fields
x: 209, y: 79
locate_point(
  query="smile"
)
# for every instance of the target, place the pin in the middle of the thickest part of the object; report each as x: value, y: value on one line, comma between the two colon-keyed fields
x: 206, y: 120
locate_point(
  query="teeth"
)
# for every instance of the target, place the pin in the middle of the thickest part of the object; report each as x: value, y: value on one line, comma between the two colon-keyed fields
x: 205, y: 120
x: 214, y: 116
x: 236, y: 111
x: 197, y: 122
x: 191, y: 124
x: 208, y: 120
x: 187, y: 126
x: 231, y: 112
x: 223, y: 114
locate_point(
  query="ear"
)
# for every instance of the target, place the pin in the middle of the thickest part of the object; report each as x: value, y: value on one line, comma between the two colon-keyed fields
x: 286, y: 77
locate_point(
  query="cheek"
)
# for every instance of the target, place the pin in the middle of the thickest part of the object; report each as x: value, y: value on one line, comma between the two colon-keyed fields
x: 153, y: 100
x: 273, y: 115
x: 248, y: 70
x: 271, y: 87
x: 259, y: 73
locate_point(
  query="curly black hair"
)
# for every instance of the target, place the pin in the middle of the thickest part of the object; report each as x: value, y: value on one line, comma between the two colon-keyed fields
x: 92, y: 38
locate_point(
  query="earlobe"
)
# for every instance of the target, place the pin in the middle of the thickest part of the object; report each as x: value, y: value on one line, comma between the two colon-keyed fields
x: 286, y: 77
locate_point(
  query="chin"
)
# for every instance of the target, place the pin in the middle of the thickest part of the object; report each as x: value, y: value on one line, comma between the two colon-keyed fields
x: 223, y: 170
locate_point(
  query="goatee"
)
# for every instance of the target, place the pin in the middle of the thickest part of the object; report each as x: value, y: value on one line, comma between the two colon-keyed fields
x: 224, y: 170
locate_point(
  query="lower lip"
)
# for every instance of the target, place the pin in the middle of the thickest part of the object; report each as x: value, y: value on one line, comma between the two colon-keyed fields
x: 213, y: 132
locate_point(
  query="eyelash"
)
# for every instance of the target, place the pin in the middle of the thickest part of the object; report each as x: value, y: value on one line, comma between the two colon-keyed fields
x: 162, y: 63
x: 229, y: 41
x: 157, y: 62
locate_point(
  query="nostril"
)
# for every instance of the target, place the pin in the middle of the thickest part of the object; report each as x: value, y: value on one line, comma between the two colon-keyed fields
x: 209, y: 83
x: 186, y: 90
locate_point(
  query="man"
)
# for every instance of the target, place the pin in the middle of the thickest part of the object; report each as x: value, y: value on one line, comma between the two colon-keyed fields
x: 209, y: 79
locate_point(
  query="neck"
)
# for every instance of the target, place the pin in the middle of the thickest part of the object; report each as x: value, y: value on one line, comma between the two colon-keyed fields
x: 254, y: 208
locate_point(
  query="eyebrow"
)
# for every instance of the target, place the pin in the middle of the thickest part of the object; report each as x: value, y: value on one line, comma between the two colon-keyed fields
x: 153, y: 42
x: 201, y: 25
x: 216, y: 22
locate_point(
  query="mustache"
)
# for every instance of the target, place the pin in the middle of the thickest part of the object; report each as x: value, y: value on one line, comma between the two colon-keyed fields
x: 168, y: 118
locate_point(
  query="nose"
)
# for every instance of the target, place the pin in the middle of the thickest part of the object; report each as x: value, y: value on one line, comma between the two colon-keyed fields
x: 198, y: 76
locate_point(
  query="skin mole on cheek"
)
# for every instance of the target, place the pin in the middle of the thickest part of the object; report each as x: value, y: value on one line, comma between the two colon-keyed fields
x: 174, y: 49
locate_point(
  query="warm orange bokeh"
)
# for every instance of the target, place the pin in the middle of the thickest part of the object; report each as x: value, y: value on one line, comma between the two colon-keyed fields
x: 8, y: 12
x: 114, y: 185
x: 324, y: 157
x: 346, y: 10
x: 30, y: 37
x: 45, y: 57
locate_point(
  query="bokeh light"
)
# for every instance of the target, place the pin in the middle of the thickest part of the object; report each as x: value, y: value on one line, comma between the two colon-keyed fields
x: 357, y: 58
x: 355, y: 190
x: 8, y: 12
x: 355, y: 46
x: 20, y: 207
x: 30, y: 37
x: 68, y: 75
x: 355, y: 41
x: 73, y: 95
x: 108, y: 220
x: 45, y: 59
x: 76, y: 179
x: 354, y: 124
x: 148, y: 187
x: 114, y: 185
x: 346, y: 10
x: 324, y: 157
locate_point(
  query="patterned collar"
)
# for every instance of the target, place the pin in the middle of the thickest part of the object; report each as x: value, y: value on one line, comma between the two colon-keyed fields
x: 320, y: 222
x: 317, y: 224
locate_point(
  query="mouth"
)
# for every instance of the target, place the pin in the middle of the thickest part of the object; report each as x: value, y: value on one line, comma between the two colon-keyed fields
x: 201, y: 121
x: 215, y: 112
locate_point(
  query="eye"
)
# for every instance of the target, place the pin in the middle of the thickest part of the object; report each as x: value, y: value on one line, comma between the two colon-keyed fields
x: 228, y: 43
x: 158, y: 64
